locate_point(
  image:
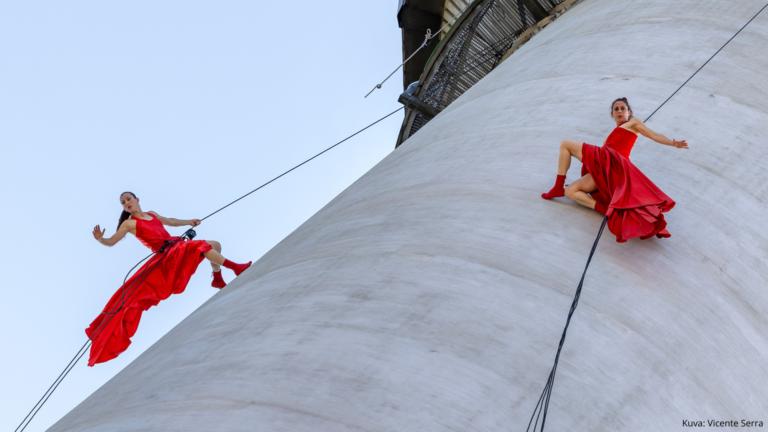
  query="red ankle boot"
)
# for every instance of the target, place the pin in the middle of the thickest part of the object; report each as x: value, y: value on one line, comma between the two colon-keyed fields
x: 601, y: 208
x: 237, y: 268
x: 218, y: 281
x: 557, y: 190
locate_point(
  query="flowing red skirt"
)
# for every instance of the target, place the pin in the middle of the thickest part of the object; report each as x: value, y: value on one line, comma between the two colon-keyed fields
x: 635, y: 204
x: 164, y: 274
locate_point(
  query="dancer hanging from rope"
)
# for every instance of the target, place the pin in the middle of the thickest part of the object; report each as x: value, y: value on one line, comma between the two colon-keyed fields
x: 175, y: 267
x: 611, y: 184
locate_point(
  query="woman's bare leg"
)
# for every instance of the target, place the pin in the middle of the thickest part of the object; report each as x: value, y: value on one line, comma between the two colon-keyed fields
x: 578, y: 190
x: 568, y: 149
x: 214, y: 255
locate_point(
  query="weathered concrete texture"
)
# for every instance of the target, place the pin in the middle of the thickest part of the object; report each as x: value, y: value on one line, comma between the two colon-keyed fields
x: 431, y: 294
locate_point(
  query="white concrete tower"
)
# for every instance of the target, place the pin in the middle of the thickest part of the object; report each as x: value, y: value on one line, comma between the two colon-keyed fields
x: 431, y: 294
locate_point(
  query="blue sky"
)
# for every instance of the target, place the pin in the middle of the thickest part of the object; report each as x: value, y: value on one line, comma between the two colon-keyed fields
x: 189, y: 105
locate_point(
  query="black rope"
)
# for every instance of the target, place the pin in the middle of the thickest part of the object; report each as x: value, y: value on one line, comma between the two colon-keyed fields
x: 542, y: 406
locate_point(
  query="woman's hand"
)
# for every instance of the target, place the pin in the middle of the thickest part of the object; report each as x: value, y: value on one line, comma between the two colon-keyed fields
x: 124, y: 228
x: 679, y: 144
x: 98, y: 233
x: 195, y: 222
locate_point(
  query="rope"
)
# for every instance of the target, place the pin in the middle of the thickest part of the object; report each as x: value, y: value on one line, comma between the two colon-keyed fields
x: 542, y: 406
x: 705, y: 63
x: 313, y: 157
x: 427, y: 38
x: 141, y: 277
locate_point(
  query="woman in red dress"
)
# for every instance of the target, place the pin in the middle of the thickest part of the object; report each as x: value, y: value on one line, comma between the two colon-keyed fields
x: 167, y: 272
x: 611, y: 184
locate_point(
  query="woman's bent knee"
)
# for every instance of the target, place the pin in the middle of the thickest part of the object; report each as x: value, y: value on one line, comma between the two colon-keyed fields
x: 571, y: 146
x: 570, y: 191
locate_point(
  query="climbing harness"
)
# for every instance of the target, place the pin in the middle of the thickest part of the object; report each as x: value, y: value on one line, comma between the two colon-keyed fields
x: 540, y: 411
x: 190, y: 234
x: 427, y: 38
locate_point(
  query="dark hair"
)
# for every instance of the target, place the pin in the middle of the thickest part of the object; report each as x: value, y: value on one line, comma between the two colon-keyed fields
x: 124, y: 215
x: 623, y: 99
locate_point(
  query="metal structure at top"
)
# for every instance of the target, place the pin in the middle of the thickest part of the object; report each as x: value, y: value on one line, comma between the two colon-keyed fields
x: 482, y: 37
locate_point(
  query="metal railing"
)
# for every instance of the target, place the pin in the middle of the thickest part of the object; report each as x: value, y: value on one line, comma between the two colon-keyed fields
x: 473, y: 50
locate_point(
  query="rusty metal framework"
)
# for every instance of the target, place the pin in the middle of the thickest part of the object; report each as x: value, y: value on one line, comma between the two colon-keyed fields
x: 471, y: 52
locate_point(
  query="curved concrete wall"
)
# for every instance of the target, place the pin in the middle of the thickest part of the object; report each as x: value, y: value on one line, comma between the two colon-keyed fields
x: 431, y: 294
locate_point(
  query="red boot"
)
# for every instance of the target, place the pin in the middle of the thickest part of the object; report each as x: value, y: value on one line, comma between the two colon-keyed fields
x: 218, y: 281
x: 237, y: 268
x: 558, y: 190
x: 601, y: 208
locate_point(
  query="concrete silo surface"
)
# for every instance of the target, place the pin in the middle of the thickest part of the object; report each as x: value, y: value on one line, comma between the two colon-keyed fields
x: 431, y: 294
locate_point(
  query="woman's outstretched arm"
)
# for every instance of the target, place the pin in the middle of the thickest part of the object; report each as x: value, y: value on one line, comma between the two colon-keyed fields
x: 645, y: 131
x: 176, y: 222
x: 125, y: 227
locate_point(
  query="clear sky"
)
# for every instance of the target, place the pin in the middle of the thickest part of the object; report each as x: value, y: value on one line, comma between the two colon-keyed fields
x: 189, y: 105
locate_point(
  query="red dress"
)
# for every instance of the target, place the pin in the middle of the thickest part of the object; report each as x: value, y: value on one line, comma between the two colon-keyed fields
x: 170, y: 272
x: 635, y: 204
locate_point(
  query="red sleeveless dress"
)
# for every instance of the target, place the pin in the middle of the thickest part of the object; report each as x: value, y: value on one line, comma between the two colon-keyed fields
x: 171, y: 272
x: 635, y: 204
